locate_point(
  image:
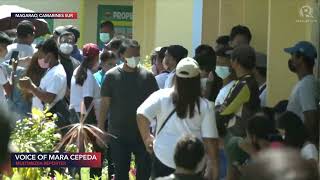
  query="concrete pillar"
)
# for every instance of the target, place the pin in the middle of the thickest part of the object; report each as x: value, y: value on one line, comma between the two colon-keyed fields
x: 144, y: 24
x: 210, y: 21
x: 286, y: 26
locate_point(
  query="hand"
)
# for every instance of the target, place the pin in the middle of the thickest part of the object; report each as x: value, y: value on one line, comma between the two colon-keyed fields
x: 14, y: 64
x: 148, y: 142
x: 210, y: 76
x: 26, y: 83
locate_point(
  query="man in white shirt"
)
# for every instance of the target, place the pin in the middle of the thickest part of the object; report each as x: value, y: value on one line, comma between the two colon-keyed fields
x: 260, y: 74
x: 25, y: 35
x: 163, y: 75
x: 172, y: 57
x: 304, y: 97
x: 225, y: 72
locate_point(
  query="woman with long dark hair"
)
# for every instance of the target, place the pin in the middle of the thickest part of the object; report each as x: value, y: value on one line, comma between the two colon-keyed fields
x: 84, y: 88
x: 179, y: 111
x: 35, y: 70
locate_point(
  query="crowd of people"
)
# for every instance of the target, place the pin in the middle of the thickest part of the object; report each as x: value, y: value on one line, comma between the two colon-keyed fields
x: 201, y: 117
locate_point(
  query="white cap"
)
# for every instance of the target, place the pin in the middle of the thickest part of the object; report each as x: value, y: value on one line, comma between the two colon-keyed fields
x: 157, y: 49
x: 187, y: 68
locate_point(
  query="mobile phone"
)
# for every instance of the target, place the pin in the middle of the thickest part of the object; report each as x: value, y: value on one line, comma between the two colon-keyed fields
x: 14, y: 56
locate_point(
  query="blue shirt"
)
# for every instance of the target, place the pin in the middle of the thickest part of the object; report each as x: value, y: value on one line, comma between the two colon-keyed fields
x: 99, y: 76
x: 77, y: 54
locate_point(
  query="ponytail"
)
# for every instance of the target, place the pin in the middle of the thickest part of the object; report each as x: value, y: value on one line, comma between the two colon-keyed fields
x: 81, y: 74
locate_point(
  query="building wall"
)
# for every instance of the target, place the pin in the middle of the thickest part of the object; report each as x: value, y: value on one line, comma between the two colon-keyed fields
x: 174, y: 23
x: 89, y: 21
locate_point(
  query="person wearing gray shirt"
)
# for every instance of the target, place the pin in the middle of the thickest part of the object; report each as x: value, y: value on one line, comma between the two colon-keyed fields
x: 304, y: 97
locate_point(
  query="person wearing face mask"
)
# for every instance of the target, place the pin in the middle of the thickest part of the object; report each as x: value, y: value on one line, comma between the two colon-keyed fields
x: 304, y: 98
x: 210, y: 82
x: 76, y: 52
x: 106, y: 33
x: 66, y: 43
x: 107, y: 62
x: 35, y: 71
x: 172, y: 57
x: 51, y: 91
x: 124, y: 88
x: 242, y: 100
x: 225, y: 72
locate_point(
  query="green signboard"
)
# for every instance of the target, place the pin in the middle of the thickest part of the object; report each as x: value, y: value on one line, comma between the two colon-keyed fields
x: 120, y: 16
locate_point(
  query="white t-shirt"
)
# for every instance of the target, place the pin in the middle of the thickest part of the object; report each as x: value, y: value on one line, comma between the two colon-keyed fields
x: 55, y: 82
x: 309, y: 151
x: 263, y: 96
x: 161, y: 79
x: 304, y: 96
x: 3, y: 81
x: 25, y: 50
x: 160, y: 105
x: 90, y: 88
x: 169, y: 81
x: 223, y: 93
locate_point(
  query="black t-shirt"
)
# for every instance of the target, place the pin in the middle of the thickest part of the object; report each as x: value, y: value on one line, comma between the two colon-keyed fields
x: 127, y: 90
x: 69, y: 65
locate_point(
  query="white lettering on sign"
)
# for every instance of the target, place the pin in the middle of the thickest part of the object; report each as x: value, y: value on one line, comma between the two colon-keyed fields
x: 86, y: 157
x: 58, y: 157
x: 122, y: 15
x: 28, y: 157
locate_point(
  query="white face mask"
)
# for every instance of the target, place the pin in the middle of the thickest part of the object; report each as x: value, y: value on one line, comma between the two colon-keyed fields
x: 133, y: 62
x: 66, y: 48
x: 104, y: 37
x: 223, y: 71
x: 203, y: 83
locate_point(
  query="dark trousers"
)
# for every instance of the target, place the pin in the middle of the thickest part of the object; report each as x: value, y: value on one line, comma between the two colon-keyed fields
x: 121, y: 155
x: 159, y: 169
x: 107, y: 156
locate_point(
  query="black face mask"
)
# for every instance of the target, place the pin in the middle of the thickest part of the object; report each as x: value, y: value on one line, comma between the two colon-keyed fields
x: 291, y: 66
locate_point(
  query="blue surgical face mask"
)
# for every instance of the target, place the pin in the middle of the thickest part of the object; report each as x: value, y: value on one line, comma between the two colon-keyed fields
x: 104, y: 37
x: 223, y: 71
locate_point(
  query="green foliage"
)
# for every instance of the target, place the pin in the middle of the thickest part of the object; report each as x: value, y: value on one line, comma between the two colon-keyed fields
x: 146, y: 62
x: 35, y: 134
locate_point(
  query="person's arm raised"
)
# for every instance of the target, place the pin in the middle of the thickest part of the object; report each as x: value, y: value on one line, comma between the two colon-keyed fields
x: 44, y: 96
